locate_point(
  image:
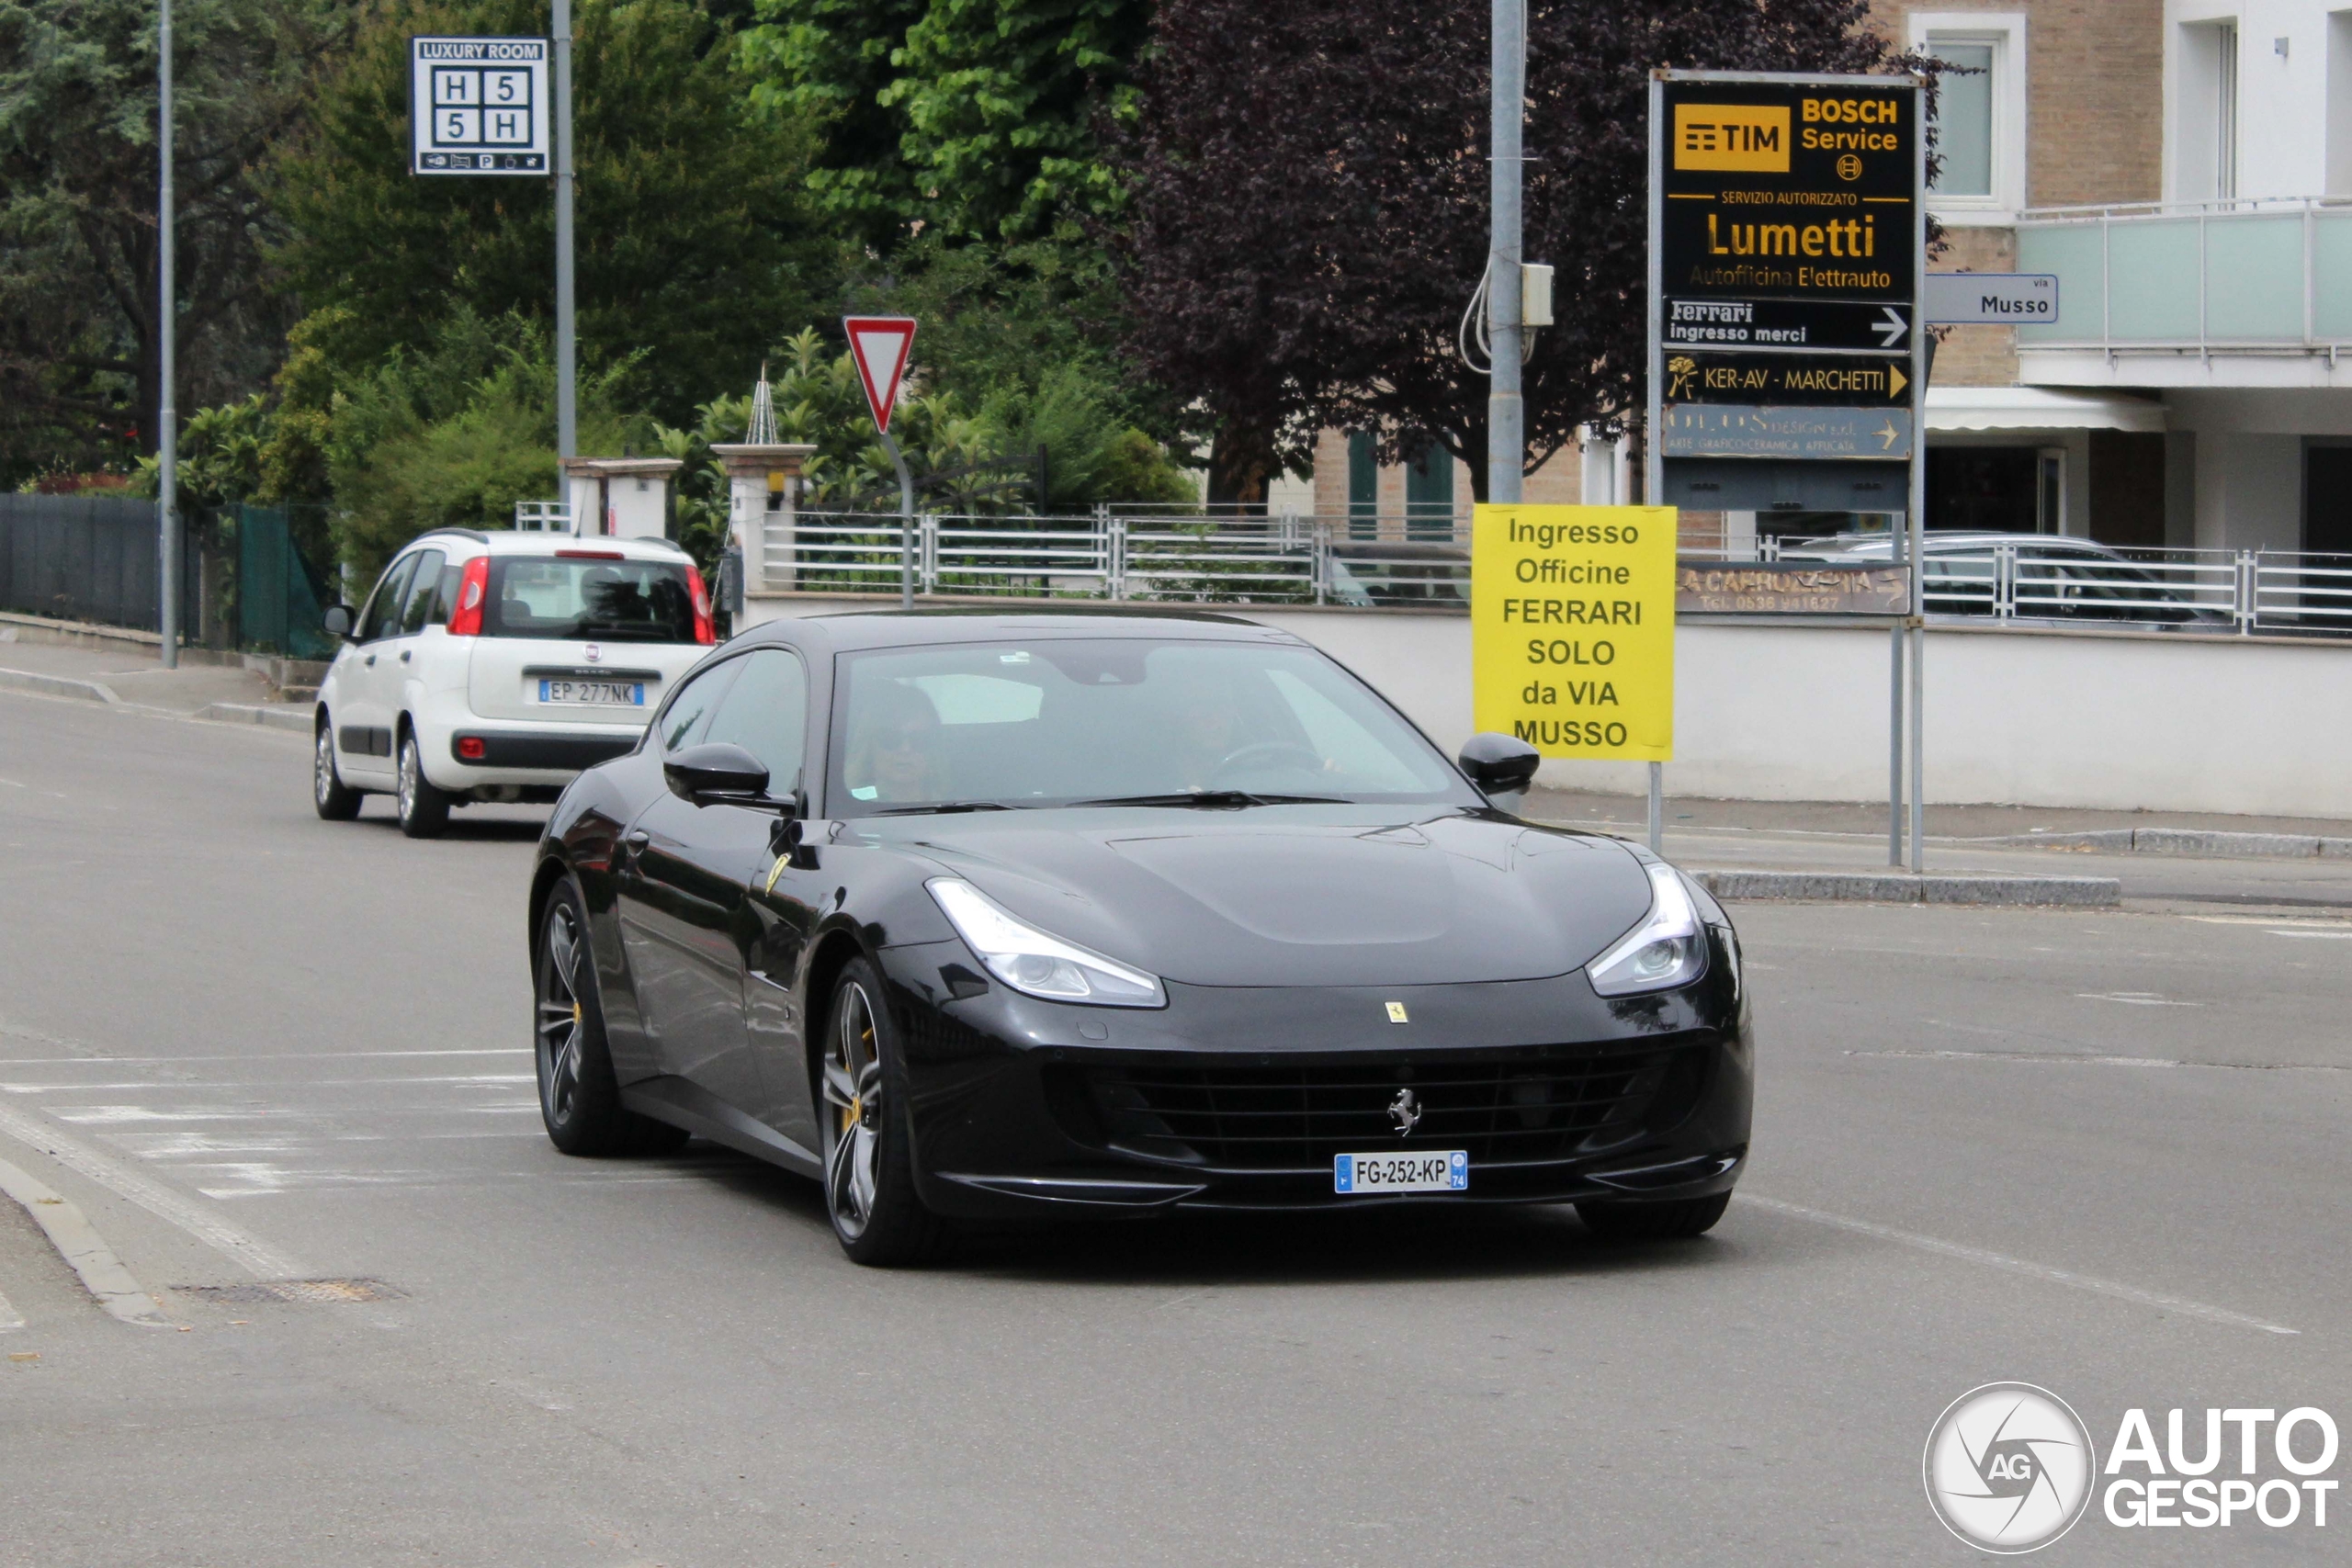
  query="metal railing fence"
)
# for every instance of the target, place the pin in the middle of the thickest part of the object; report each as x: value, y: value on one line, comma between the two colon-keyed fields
x: 1304, y: 560
x: 1286, y: 559
x: 2240, y: 592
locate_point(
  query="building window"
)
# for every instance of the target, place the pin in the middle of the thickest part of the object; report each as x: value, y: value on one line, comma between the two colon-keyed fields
x: 1429, y: 493
x: 1363, y: 487
x: 1979, y: 113
x: 1964, y: 119
x: 2205, y: 142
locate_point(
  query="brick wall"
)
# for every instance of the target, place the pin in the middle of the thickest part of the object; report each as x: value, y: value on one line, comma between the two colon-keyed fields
x: 2094, y: 93
x: 1978, y: 356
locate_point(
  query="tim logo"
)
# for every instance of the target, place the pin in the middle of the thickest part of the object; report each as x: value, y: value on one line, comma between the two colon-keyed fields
x: 1749, y: 138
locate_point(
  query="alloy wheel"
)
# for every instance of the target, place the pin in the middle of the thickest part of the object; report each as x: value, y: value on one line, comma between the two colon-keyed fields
x: 322, y: 768
x: 407, y: 785
x: 854, y: 1094
x: 560, y: 1024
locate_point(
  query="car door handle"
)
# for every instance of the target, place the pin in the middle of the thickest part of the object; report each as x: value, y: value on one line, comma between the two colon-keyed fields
x: 404, y: 656
x: 369, y: 660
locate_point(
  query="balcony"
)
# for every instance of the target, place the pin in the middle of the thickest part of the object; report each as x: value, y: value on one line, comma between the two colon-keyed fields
x: 2254, y: 293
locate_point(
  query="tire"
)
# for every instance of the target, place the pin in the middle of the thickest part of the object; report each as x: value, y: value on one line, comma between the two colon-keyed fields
x: 579, y: 1100
x: 335, y: 801
x: 424, y: 809
x: 869, y: 1158
x: 1679, y: 1217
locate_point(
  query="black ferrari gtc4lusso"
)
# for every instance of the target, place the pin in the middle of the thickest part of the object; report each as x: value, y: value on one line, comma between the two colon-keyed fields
x: 974, y: 916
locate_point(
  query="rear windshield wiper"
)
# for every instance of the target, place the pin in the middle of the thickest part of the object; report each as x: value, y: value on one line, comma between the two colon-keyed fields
x: 945, y: 806
x: 1216, y: 799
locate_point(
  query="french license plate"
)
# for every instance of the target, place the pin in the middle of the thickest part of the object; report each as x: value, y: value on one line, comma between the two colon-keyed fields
x: 1431, y: 1170
x: 610, y: 694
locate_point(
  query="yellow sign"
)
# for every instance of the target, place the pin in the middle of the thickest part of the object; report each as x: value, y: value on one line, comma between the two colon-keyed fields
x: 1572, y: 628
x: 1749, y: 137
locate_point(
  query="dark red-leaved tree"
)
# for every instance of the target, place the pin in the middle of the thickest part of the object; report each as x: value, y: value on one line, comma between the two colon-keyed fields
x: 1309, y: 207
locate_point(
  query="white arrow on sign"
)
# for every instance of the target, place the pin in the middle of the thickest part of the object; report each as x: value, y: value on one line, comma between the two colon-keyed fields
x: 1891, y: 330
x: 880, y: 346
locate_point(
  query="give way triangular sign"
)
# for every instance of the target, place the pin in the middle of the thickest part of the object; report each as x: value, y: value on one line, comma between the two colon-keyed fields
x: 880, y: 346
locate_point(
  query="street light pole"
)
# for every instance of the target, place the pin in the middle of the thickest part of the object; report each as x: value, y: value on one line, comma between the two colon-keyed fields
x: 1506, y: 414
x: 566, y: 345
x: 167, y: 424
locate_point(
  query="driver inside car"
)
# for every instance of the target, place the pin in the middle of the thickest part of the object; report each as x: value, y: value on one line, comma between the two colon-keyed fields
x: 894, y: 753
x: 1205, y: 731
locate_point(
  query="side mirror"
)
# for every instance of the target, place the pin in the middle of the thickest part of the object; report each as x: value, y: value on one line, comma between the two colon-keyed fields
x: 337, y: 620
x: 717, y: 771
x: 1499, y: 764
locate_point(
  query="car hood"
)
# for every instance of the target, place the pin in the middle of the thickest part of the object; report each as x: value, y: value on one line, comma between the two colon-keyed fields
x: 1303, y: 896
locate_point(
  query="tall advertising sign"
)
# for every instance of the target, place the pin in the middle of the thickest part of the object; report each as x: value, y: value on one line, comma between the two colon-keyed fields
x: 1787, y: 363
x: 1785, y: 221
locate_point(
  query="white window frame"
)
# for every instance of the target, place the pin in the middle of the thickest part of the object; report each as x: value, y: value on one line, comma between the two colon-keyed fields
x: 2193, y: 144
x: 2005, y: 31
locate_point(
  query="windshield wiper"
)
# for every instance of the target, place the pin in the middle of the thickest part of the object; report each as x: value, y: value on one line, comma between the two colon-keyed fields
x: 945, y: 806
x: 1216, y: 799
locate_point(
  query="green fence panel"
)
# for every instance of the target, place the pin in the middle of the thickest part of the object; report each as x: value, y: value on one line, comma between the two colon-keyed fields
x: 280, y: 596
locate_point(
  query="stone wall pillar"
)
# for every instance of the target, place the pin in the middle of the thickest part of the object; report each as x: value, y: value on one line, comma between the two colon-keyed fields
x: 762, y: 485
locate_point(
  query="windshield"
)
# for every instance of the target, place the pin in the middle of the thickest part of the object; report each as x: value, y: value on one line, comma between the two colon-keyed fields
x: 571, y: 598
x: 1055, y: 723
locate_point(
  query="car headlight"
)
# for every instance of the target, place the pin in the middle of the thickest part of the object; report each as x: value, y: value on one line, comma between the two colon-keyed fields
x: 1668, y: 949
x: 1038, y: 964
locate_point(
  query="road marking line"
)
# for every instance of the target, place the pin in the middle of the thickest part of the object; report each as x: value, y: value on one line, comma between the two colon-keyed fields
x: 83, y: 1249
x: 279, y: 1056
x: 2336, y: 923
x: 10, y: 1318
x: 2020, y: 1266
x: 251, y: 1253
x: 197, y: 1084
x: 2073, y: 1061
x: 2321, y: 936
x: 2134, y: 999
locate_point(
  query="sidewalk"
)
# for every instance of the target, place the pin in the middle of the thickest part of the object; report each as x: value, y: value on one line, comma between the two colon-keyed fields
x: 1987, y: 854
x: 132, y: 674
x: 1622, y: 813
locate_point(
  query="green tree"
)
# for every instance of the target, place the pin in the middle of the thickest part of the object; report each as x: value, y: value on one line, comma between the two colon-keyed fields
x: 456, y: 433
x: 78, y: 278
x: 973, y: 118
x: 694, y: 246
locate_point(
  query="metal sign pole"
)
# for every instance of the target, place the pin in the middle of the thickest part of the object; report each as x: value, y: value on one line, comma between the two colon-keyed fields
x: 168, y: 419
x: 1915, y: 523
x: 1894, y: 721
x: 1506, y: 414
x: 906, y: 525
x: 1653, y: 437
x: 566, y: 345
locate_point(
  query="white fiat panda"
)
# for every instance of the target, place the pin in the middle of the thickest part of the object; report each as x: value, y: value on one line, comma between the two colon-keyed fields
x: 493, y: 667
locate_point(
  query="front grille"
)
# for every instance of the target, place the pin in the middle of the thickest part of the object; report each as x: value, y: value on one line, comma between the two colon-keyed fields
x: 1503, y: 1108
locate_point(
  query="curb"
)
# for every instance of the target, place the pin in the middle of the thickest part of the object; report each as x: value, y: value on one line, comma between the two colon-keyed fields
x: 2190, y: 841
x: 291, y: 717
x: 1896, y: 887
x: 83, y: 1249
x: 59, y: 686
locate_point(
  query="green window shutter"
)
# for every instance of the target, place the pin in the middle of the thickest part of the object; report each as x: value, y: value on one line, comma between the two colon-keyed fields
x: 1363, y: 487
x: 1429, y: 494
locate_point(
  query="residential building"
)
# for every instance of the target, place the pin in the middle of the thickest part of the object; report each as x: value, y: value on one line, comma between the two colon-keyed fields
x: 2185, y: 168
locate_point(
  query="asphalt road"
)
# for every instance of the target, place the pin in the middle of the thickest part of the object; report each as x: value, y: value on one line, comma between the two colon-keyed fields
x: 2101, y: 1152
